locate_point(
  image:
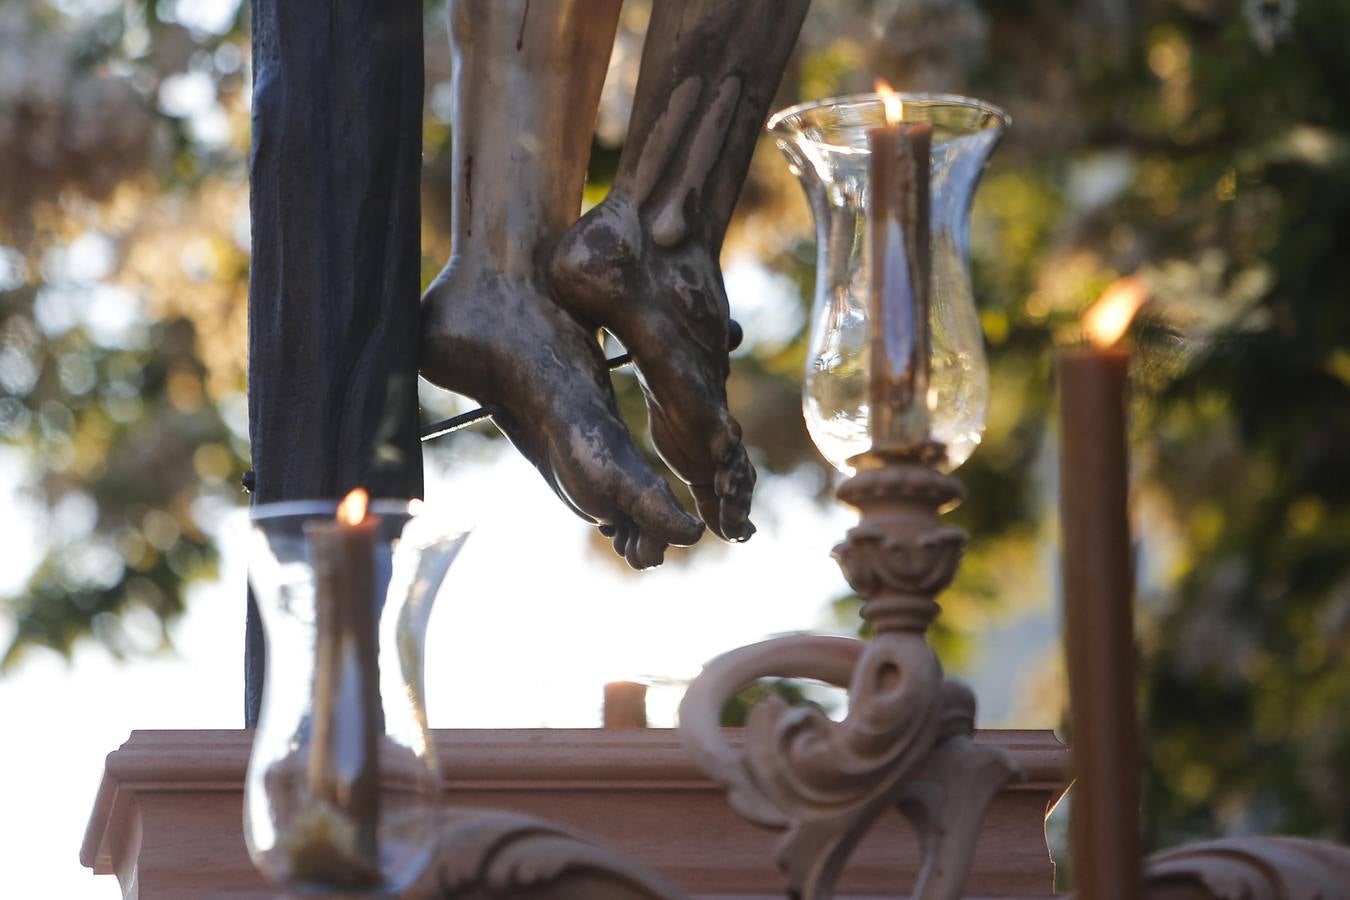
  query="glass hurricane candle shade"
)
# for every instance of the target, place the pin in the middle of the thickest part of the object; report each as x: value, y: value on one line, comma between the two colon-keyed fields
x: 826, y: 145
x: 342, y: 786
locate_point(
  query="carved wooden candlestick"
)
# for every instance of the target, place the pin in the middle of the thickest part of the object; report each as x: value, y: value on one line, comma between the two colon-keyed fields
x: 906, y: 742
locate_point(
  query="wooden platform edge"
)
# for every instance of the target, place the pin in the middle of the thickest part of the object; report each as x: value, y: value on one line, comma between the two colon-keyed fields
x: 506, y: 768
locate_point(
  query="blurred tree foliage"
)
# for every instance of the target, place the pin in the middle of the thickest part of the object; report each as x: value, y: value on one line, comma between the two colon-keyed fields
x: 121, y: 311
x: 1204, y: 143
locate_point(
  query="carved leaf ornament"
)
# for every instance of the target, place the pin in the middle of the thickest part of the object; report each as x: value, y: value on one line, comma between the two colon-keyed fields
x: 875, y: 561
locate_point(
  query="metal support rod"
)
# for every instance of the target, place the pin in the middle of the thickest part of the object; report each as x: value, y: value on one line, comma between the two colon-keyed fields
x: 445, y: 426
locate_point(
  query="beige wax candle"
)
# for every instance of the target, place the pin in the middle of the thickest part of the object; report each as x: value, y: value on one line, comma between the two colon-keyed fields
x: 898, y: 222
x: 1098, y: 589
x: 342, y: 775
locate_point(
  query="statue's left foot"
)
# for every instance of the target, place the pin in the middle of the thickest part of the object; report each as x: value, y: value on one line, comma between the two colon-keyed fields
x: 669, y: 308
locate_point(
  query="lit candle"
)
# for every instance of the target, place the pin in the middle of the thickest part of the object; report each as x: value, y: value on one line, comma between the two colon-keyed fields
x: 900, y: 260
x: 1098, y: 588
x: 334, y: 838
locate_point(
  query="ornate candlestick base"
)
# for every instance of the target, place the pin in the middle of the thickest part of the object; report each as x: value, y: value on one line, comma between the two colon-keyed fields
x: 906, y: 741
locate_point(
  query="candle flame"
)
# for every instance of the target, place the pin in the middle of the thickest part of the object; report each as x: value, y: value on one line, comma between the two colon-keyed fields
x: 895, y: 107
x: 1106, y: 321
x: 352, y: 509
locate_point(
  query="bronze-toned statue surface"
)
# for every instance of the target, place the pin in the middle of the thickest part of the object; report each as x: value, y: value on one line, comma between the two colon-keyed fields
x: 527, y: 84
x: 513, y: 319
x: 644, y: 262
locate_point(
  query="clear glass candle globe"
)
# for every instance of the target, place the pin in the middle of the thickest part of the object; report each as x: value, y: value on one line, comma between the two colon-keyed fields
x: 302, y: 828
x: 826, y: 147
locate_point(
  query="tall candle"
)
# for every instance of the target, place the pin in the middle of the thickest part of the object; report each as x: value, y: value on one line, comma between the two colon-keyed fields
x: 342, y: 775
x: 1098, y: 588
x: 898, y: 223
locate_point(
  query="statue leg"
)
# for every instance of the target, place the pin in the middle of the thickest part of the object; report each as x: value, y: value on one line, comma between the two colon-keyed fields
x: 644, y: 263
x: 527, y: 84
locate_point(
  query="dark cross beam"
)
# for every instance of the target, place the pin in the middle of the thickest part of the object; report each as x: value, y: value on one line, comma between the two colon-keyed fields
x: 335, y: 281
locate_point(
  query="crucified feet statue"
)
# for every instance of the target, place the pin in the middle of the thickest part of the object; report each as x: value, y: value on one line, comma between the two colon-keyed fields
x: 490, y: 328
x: 514, y: 319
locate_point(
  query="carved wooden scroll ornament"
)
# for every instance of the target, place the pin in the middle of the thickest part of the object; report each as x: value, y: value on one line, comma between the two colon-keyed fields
x: 1250, y: 868
x: 906, y: 741
x: 488, y: 854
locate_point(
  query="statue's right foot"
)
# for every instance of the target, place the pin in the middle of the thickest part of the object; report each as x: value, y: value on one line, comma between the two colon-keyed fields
x: 644, y: 262
x: 500, y: 340
x: 668, y: 307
